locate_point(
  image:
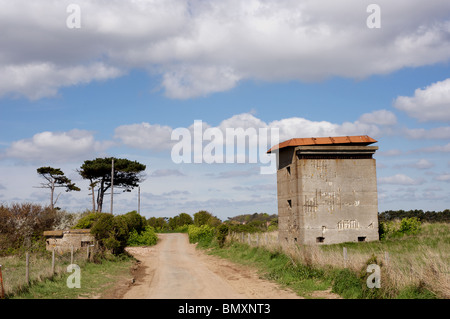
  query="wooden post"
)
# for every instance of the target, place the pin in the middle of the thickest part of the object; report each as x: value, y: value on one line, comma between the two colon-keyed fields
x: 53, y: 261
x: 91, y: 257
x: 2, y: 292
x: 345, y: 257
x: 27, y: 268
x: 87, y: 252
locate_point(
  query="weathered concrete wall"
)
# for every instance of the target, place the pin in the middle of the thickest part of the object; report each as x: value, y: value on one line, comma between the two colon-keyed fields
x: 62, y: 241
x: 328, y: 199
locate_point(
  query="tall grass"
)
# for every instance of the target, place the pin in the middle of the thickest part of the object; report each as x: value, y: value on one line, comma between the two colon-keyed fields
x: 411, y: 265
x: 40, y: 269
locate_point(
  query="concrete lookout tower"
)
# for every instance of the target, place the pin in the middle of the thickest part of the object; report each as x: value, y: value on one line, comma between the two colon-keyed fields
x: 327, y: 190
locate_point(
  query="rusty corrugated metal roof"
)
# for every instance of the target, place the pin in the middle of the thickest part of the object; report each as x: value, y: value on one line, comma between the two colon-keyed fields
x: 336, y: 140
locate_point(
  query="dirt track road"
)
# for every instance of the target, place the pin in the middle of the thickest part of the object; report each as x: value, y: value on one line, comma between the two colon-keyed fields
x: 175, y: 269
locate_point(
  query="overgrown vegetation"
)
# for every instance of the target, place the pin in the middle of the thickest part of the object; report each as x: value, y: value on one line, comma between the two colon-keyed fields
x: 395, y: 228
x: 418, y: 266
x: 115, y: 232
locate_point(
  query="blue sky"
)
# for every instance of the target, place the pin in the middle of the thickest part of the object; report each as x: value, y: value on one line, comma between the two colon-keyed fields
x: 136, y: 70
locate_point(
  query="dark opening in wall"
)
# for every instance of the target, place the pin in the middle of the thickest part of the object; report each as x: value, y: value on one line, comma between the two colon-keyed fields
x: 334, y: 156
x: 86, y: 243
x: 362, y: 238
x: 320, y: 239
x: 288, y: 169
x: 289, y: 203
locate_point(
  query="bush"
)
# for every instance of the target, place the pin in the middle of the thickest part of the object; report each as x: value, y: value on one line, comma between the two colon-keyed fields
x: 22, y: 226
x: 146, y: 238
x: 222, y: 232
x: 113, y: 232
x: 88, y: 220
x: 410, y: 226
x: 407, y: 226
x: 200, y: 234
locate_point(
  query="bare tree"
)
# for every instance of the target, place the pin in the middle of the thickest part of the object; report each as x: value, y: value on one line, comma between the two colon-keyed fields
x: 55, y: 178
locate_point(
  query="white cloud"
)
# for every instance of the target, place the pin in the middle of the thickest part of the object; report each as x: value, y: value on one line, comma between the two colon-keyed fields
x: 37, y: 80
x: 202, y: 47
x: 433, y: 133
x: 145, y: 136
x: 431, y: 103
x: 184, y: 82
x: 379, y: 117
x: 400, y: 179
x: 422, y: 164
x: 443, y: 177
x: 435, y: 148
x: 56, y: 146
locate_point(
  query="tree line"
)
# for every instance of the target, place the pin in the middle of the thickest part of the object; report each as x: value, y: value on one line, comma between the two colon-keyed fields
x: 101, y: 174
x: 423, y: 216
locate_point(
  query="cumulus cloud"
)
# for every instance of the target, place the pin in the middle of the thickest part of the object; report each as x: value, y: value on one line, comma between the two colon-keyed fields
x: 157, y: 137
x: 202, y: 47
x: 443, y: 177
x: 145, y: 136
x: 422, y: 164
x: 379, y: 117
x: 435, y: 148
x: 56, y: 146
x: 433, y: 133
x: 431, y: 103
x: 400, y: 179
x: 43, y: 79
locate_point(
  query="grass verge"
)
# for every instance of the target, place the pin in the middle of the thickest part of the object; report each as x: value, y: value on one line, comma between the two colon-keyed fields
x: 96, y: 279
x: 305, y: 276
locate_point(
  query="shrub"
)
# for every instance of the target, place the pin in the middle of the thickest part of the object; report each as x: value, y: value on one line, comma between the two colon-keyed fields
x: 88, y: 220
x: 410, y: 226
x: 200, y: 234
x: 146, y: 238
x: 22, y: 226
x: 407, y: 226
x: 222, y: 232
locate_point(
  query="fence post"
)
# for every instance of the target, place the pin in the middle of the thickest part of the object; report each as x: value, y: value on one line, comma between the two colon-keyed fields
x: 2, y: 292
x: 53, y: 261
x: 27, y: 267
x: 249, y: 238
x: 345, y: 257
x: 91, y: 255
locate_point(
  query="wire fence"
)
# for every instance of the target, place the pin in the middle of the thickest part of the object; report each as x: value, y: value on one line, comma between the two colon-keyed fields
x: 18, y: 272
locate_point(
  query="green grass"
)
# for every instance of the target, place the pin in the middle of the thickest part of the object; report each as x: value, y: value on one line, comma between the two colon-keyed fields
x: 418, y: 266
x: 96, y: 278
